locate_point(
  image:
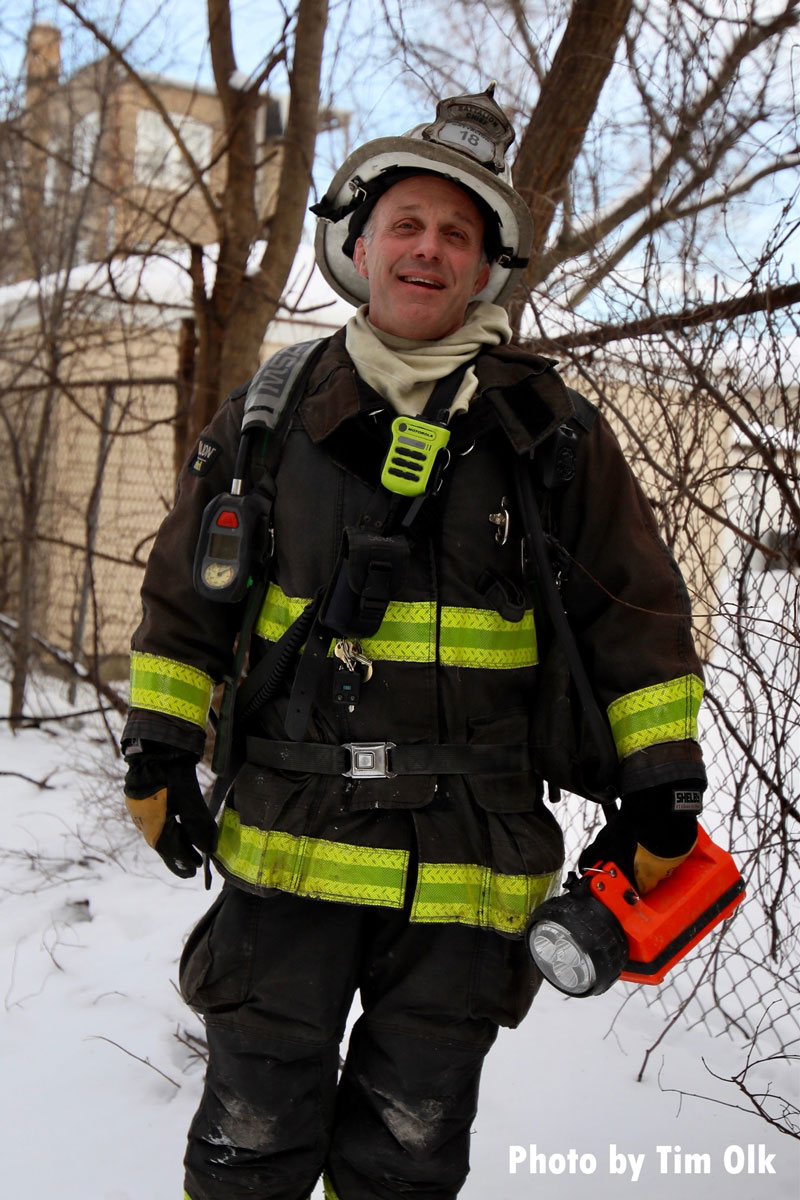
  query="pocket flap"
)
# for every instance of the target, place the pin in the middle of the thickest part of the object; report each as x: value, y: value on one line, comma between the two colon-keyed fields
x: 517, y: 791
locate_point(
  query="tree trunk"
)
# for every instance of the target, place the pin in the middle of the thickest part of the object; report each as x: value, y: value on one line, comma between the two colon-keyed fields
x: 231, y: 321
x: 258, y: 296
x: 187, y: 350
x: 567, y: 102
x: 21, y: 644
x: 31, y: 492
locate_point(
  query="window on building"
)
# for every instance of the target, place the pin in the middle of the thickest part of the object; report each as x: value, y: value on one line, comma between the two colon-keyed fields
x: 10, y: 193
x: 72, y: 161
x: 763, y: 510
x: 786, y: 544
x: 53, y: 172
x: 85, y: 137
x: 158, y: 160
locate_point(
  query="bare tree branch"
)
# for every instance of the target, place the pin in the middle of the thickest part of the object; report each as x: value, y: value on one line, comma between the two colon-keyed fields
x: 769, y: 300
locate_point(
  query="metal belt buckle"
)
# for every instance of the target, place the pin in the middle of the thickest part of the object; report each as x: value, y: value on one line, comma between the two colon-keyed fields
x: 369, y: 760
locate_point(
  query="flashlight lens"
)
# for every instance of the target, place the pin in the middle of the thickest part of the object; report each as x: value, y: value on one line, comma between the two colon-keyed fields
x: 560, y: 958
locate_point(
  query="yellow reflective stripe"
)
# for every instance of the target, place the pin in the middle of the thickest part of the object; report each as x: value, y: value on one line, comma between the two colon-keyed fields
x: 407, y: 633
x: 480, y: 637
x: 313, y: 867
x: 468, y: 637
x: 278, y: 612
x: 165, y: 685
x: 327, y: 1186
x: 473, y: 895
x: 665, y: 712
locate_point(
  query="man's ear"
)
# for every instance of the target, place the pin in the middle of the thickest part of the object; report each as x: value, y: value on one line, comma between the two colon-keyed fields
x: 360, y: 257
x: 482, y: 278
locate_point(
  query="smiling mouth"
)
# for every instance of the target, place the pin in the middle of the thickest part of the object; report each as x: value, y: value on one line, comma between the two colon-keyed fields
x: 417, y: 281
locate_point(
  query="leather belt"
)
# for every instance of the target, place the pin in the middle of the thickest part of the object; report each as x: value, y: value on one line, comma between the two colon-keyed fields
x: 384, y: 760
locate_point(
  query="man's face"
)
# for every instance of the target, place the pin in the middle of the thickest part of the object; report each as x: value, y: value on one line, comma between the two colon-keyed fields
x: 422, y: 258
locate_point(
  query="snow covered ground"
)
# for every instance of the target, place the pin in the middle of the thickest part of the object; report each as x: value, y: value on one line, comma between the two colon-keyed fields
x: 100, y: 1077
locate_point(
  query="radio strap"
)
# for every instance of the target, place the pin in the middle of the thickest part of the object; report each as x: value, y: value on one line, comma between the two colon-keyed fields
x: 598, y: 727
x: 370, y: 571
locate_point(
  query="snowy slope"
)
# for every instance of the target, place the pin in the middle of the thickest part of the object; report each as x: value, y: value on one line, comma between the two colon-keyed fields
x: 100, y: 1078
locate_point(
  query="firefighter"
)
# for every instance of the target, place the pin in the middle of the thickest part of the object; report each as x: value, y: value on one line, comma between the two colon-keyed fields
x: 386, y: 834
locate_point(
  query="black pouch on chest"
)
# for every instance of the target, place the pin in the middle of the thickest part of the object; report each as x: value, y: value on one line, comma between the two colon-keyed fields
x: 372, y: 571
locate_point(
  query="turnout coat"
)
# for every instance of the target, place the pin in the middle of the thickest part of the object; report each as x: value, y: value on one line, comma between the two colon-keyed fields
x: 457, y: 660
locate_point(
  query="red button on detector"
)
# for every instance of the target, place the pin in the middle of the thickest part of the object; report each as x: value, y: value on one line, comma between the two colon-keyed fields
x: 228, y: 519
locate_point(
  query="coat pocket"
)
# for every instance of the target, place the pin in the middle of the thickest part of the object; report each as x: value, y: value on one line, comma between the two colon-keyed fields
x: 524, y: 836
x: 517, y: 791
x: 261, y: 793
x: 217, y: 961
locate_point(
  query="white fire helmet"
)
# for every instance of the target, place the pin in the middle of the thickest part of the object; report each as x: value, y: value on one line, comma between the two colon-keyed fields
x: 467, y: 144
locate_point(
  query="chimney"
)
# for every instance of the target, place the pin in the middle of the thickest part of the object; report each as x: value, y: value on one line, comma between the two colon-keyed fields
x: 43, y: 57
x: 42, y: 70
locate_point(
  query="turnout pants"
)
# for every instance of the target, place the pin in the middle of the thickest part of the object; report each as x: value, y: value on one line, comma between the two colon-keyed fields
x: 274, y: 977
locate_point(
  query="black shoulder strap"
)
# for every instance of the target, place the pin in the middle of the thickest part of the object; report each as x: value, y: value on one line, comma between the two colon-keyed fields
x: 584, y: 411
x: 271, y: 398
x: 555, y: 458
x: 275, y: 381
x: 368, y: 572
x: 595, y: 721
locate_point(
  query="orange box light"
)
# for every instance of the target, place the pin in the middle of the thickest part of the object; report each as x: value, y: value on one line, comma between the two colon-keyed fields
x: 603, y: 930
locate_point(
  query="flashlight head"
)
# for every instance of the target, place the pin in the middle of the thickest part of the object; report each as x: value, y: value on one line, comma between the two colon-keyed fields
x: 578, y: 945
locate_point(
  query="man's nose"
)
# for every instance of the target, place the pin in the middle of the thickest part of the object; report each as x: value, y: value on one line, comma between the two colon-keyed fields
x: 429, y: 244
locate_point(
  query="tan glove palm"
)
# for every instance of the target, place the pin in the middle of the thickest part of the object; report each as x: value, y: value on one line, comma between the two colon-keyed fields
x: 164, y: 799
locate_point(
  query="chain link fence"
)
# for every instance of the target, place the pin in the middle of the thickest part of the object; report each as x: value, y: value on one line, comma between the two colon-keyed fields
x: 711, y: 425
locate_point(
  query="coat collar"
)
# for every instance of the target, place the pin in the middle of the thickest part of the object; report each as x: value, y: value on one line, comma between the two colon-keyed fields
x: 332, y: 393
x: 527, y: 397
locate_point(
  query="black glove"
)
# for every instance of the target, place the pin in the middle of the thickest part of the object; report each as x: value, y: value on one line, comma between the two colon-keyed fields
x: 654, y: 831
x: 164, y: 798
